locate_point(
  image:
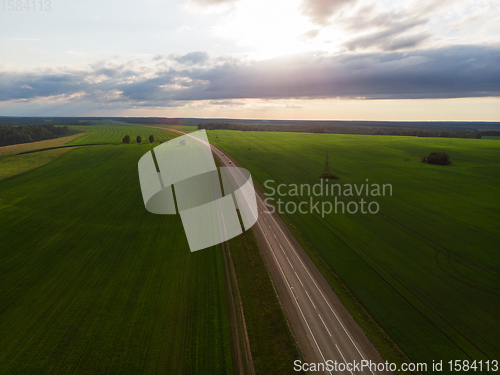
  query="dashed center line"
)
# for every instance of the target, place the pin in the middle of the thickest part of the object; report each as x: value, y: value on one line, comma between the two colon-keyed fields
x: 289, y: 262
x: 343, y: 357
x: 322, y: 321
x: 311, y: 301
x: 299, y: 280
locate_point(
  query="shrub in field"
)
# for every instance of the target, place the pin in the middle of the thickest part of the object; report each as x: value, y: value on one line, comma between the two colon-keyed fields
x: 151, y: 138
x: 139, y: 139
x: 439, y: 158
x: 126, y: 139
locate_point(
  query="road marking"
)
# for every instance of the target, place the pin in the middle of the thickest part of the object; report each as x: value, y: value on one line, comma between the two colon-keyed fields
x: 327, y: 330
x: 303, y: 265
x: 295, y: 299
x: 311, y: 300
x: 343, y: 358
x: 299, y: 279
x: 289, y: 261
x: 283, y: 251
x: 274, y: 235
x: 347, y: 333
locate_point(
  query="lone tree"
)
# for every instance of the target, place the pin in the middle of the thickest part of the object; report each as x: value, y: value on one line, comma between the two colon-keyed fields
x: 438, y: 158
x: 126, y: 139
x: 139, y: 139
x: 151, y: 138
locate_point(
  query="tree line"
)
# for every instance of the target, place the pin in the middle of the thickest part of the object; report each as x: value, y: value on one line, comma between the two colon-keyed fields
x: 341, y: 130
x: 138, y: 139
x: 43, y: 121
x: 12, y: 135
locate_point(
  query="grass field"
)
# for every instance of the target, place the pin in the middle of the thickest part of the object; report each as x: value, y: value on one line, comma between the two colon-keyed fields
x: 182, y: 128
x: 15, y: 164
x: 110, y: 132
x: 90, y: 282
x: 33, y: 146
x: 426, y: 267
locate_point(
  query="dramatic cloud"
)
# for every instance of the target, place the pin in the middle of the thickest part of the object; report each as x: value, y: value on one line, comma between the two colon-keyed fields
x: 453, y: 72
x: 320, y: 11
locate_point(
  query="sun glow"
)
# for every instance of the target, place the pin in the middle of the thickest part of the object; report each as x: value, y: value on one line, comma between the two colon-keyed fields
x: 269, y: 29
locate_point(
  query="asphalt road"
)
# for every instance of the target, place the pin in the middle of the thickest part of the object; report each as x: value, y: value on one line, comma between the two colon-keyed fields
x: 322, y: 326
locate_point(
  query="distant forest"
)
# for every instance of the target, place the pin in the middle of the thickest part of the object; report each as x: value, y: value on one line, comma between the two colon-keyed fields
x: 12, y: 135
x: 336, y: 129
x: 46, y: 121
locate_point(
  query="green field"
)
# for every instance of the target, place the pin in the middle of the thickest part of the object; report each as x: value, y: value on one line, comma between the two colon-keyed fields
x: 426, y: 267
x: 90, y: 282
x: 182, y: 128
x: 110, y: 132
x: 15, y: 164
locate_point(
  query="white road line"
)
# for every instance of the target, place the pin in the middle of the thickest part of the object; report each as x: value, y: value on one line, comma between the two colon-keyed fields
x: 300, y: 260
x: 327, y: 330
x: 289, y: 261
x: 293, y: 249
x: 343, y: 357
x: 299, y: 279
x: 311, y: 300
x: 283, y: 251
x: 295, y: 299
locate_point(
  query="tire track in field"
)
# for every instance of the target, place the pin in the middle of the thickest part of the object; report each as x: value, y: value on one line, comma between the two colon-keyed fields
x: 448, y: 253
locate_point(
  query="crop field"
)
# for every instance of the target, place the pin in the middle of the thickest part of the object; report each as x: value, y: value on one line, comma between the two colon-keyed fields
x: 15, y: 164
x: 32, y: 146
x: 110, y: 132
x: 90, y: 282
x: 426, y: 266
x: 182, y: 128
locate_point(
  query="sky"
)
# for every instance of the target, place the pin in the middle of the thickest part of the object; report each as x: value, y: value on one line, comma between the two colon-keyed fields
x: 274, y: 59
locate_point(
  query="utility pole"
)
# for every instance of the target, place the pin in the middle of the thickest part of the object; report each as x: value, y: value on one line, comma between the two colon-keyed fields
x: 327, y: 168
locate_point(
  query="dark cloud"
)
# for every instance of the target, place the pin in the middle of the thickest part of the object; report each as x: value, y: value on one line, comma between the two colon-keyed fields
x: 452, y: 72
x: 320, y: 11
x: 387, y: 31
x: 192, y: 58
x: 387, y: 40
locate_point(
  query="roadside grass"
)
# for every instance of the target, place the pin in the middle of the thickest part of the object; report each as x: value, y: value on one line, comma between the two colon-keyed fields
x: 90, y: 282
x: 425, y: 268
x: 272, y: 344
